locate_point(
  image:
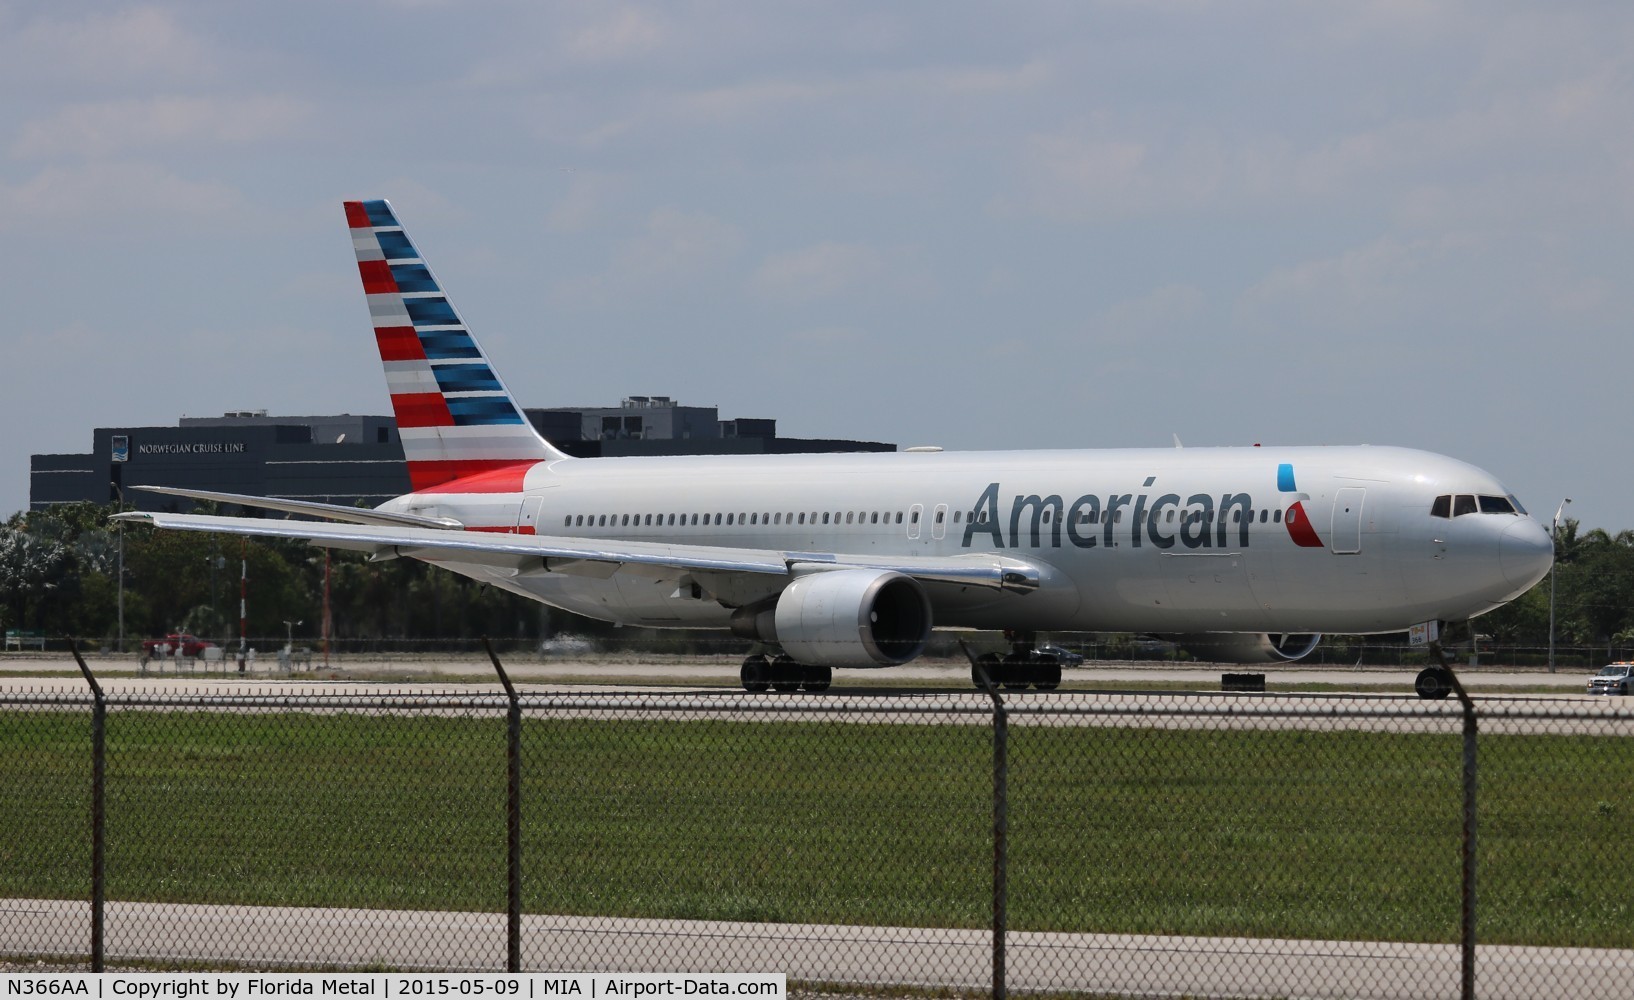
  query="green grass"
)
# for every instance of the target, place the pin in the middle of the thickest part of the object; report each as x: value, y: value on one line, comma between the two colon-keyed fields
x: 1284, y: 833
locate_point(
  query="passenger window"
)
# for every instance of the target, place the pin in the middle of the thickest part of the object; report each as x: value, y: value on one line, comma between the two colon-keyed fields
x: 1276, y: 516
x: 825, y: 517
x: 802, y: 517
x: 1463, y: 504
x: 848, y: 517
x: 914, y: 519
x: 940, y: 514
x: 958, y: 515
x: 603, y: 522
x: 1442, y: 506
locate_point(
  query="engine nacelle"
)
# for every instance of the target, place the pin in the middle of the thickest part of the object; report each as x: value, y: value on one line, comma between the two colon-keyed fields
x: 845, y: 618
x: 1247, y: 647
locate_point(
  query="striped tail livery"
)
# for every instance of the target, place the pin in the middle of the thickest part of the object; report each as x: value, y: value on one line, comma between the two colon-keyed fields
x: 462, y: 430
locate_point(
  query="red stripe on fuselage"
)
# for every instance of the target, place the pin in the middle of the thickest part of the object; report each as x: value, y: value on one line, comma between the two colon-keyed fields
x: 501, y: 475
x: 377, y: 279
x: 399, y: 343
x: 422, y: 409
x: 357, y: 217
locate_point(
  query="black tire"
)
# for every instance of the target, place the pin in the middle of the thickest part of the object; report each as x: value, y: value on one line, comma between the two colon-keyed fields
x: 756, y: 673
x: 786, y: 674
x: 818, y: 678
x: 1433, y: 684
x: 991, y: 663
x: 1049, y: 677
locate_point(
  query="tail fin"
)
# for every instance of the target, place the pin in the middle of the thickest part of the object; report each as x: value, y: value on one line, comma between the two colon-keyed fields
x: 456, y: 419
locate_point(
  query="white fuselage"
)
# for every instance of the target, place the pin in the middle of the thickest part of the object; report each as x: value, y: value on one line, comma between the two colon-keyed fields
x: 1155, y: 540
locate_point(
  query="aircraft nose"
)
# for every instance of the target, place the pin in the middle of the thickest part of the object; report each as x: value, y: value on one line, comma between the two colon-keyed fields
x: 1526, y: 553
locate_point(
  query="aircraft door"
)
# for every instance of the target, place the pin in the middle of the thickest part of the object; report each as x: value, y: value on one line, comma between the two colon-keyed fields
x: 1347, y: 520
x: 915, y: 514
x: 938, y: 524
x: 527, y: 518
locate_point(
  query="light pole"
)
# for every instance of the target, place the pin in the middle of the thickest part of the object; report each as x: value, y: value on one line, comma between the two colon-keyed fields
x: 121, y: 491
x: 1554, y: 540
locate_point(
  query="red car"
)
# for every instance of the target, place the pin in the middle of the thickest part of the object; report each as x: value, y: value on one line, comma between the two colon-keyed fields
x: 190, y: 645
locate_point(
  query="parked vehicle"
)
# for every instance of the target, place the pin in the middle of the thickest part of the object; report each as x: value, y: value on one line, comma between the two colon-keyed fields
x: 190, y: 645
x: 1615, y: 678
x: 1063, y: 655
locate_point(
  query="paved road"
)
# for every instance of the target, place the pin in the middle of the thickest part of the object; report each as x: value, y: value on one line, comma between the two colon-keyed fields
x: 264, y: 937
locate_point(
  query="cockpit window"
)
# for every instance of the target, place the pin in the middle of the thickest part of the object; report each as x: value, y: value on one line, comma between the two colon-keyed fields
x: 1517, y: 504
x: 1448, y: 505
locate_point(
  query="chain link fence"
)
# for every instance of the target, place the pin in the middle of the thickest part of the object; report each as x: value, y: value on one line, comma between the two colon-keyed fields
x: 1106, y: 844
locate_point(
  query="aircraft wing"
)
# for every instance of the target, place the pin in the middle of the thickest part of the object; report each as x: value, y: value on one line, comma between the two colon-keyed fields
x: 592, y: 557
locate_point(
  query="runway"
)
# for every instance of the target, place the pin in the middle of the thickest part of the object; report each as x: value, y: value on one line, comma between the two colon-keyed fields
x: 1355, y: 699
x: 243, y: 937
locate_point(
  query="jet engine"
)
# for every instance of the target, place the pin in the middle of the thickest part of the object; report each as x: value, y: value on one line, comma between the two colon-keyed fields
x: 1247, y: 647
x: 844, y: 618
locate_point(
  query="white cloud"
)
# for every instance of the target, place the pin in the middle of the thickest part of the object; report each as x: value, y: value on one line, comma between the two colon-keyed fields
x: 110, y: 127
x: 625, y: 34
x: 100, y: 192
x: 128, y: 47
x: 676, y: 247
x: 818, y: 272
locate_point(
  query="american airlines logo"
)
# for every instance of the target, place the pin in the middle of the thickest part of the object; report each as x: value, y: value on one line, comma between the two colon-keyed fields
x: 1199, y: 521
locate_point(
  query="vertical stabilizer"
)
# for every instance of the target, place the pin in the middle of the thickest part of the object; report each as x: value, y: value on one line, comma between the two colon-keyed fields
x: 456, y: 418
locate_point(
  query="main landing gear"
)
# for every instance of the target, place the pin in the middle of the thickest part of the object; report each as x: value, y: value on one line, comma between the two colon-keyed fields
x: 1021, y: 667
x: 781, y: 673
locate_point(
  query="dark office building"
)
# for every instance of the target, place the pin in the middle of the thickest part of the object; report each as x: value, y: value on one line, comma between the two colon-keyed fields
x: 346, y: 459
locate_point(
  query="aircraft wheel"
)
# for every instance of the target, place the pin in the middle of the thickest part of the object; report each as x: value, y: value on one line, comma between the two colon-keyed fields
x: 991, y: 663
x: 817, y: 678
x: 756, y: 673
x: 1048, y: 678
x: 1433, y: 684
x: 1017, y: 673
x: 786, y: 674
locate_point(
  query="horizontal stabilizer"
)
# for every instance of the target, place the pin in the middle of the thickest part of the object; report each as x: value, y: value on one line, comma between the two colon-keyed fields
x: 333, y: 512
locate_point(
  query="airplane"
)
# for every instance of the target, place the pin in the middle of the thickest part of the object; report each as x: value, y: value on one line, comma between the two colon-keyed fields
x: 1240, y: 554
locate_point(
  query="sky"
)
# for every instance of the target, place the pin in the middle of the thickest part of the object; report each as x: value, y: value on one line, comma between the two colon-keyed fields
x: 1058, y: 225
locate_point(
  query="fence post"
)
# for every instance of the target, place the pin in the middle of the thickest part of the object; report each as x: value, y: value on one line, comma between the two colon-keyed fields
x: 99, y: 801
x: 513, y: 817
x: 1001, y: 821
x: 1466, y: 933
